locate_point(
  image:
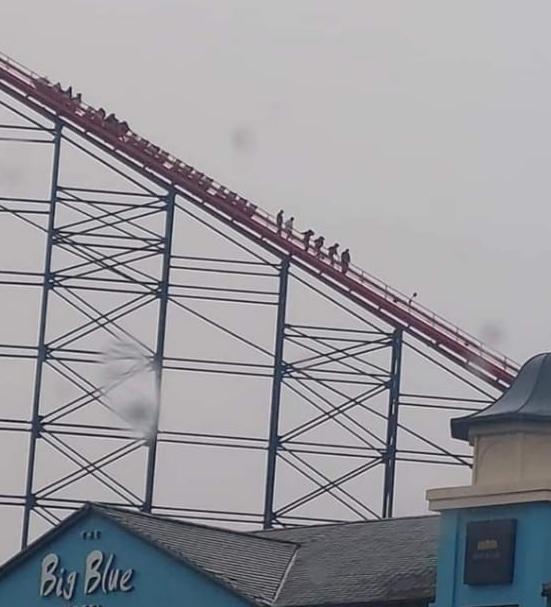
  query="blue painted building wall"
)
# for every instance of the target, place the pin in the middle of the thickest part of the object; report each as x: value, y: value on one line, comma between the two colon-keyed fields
x: 158, y: 579
x: 532, y: 557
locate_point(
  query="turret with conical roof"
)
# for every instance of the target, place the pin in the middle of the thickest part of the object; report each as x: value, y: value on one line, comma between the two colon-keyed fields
x: 527, y: 400
x: 512, y: 444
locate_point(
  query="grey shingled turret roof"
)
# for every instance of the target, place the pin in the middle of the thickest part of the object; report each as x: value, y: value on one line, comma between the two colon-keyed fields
x: 371, y: 562
x: 252, y: 566
x: 527, y: 400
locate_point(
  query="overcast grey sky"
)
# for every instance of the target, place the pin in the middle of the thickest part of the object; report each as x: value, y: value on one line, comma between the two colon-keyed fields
x: 416, y: 133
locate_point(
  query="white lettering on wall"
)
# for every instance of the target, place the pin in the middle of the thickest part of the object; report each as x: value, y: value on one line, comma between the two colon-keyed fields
x: 51, y: 580
x: 100, y: 574
x: 47, y: 578
x: 126, y: 580
x: 92, y: 577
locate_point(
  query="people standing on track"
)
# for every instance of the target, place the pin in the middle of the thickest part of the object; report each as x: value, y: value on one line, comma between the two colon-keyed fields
x: 318, y: 244
x: 279, y: 222
x: 288, y: 227
x: 345, y: 261
x: 331, y: 252
x: 306, y: 238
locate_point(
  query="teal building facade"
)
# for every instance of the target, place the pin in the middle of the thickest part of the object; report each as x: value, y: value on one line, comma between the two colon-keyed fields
x: 529, y: 557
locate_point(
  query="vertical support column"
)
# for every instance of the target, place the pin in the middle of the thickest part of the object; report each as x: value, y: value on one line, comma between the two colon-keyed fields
x: 273, y: 436
x: 163, y: 294
x: 392, y: 424
x: 42, y: 347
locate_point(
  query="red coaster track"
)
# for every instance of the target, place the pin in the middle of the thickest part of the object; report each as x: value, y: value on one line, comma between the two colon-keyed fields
x: 390, y: 305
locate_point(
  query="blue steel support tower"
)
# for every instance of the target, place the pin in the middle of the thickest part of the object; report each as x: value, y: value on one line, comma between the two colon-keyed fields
x: 300, y: 387
x: 42, y: 349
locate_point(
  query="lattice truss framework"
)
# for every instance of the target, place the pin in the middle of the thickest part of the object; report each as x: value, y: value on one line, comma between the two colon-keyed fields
x: 281, y: 401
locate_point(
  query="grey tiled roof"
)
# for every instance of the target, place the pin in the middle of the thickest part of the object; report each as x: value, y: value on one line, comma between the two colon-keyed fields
x: 251, y: 565
x: 343, y: 564
x: 365, y: 562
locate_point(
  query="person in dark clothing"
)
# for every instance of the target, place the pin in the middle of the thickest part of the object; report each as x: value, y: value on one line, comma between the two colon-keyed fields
x: 345, y: 261
x: 123, y: 128
x: 331, y: 252
x: 318, y: 244
x: 306, y: 238
x: 288, y: 227
x: 279, y: 222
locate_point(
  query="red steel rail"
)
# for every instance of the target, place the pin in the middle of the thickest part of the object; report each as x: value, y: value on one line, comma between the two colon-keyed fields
x: 389, y: 304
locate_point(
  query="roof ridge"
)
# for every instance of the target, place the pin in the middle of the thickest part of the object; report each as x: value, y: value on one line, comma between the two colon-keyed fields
x: 341, y: 524
x: 286, y: 573
x: 166, y: 519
